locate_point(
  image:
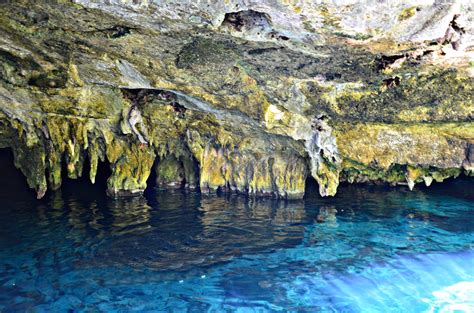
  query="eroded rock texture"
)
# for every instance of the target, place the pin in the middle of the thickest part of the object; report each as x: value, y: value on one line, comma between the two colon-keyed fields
x: 245, y: 96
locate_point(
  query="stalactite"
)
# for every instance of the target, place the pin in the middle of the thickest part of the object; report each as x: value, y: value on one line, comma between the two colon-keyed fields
x: 229, y: 169
x: 196, y: 146
x: 325, y: 160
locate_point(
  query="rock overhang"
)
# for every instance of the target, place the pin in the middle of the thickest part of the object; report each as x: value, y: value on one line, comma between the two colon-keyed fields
x: 252, y: 78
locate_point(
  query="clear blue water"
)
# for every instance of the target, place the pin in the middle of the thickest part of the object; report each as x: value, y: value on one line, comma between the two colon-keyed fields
x: 369, y: 249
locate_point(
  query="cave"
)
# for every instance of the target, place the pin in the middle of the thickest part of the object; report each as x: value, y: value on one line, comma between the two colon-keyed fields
x: 236, y: 156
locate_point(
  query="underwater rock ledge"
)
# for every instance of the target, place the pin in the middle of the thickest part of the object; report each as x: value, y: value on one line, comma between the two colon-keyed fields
x: 240, y: 99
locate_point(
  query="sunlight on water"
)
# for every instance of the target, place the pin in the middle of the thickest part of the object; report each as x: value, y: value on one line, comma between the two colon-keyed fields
x: 455, y: 298
x: 420, y: 283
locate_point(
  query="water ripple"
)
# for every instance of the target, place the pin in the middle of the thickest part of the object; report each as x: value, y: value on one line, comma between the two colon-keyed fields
x: 369, y: 249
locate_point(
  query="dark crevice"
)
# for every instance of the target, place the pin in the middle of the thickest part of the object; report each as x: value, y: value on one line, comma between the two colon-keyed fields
x: 311, y: 187
x: 413, y: 57
x: 119, y: 31
x: 151, y: 181
x: 140, y: 97
x: 53, y: 79
x: 385, y: 61
x: 248, y: 19
x: 103, y: 173
x: 12, y: 177
x: 392, y: 82
x: 262, y: 50
x: 114, y: 32
x: 333, y: 76
x: 454, y: 24
x: 82, y: 186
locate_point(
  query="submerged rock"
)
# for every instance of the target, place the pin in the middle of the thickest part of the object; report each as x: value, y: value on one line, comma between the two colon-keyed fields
x: 250, y: 98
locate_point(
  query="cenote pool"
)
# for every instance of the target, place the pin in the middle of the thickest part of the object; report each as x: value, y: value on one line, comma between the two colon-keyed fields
x: 369, y: 249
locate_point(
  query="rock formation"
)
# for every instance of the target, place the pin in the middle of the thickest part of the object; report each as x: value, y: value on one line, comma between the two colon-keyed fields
x: 244, y: 96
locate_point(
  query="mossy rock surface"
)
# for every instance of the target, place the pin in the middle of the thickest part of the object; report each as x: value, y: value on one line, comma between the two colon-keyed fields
x: 237, y: 107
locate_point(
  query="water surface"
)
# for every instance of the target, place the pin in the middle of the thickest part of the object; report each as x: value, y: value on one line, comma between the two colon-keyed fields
x: 369, y: 249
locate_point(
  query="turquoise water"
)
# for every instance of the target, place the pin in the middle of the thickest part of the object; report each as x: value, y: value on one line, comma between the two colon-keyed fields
x: 369, y: 249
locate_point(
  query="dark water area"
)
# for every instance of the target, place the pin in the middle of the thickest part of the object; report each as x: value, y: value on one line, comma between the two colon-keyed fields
x: 369, y: 249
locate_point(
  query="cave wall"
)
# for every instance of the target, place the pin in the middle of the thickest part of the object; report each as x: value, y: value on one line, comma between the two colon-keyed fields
x: 238, y: 97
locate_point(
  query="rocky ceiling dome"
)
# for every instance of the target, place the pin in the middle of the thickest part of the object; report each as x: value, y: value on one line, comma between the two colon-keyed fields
x: 247, y: 96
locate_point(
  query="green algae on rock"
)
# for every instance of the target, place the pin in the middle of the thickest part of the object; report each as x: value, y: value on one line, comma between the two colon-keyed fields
x: 250, y: 100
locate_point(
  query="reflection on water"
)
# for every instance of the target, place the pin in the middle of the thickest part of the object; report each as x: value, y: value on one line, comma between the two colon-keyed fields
x: 187, y: 230
x: 368, y: 249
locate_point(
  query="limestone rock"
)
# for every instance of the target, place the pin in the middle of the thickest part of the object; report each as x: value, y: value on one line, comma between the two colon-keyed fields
x: 238, y: 96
